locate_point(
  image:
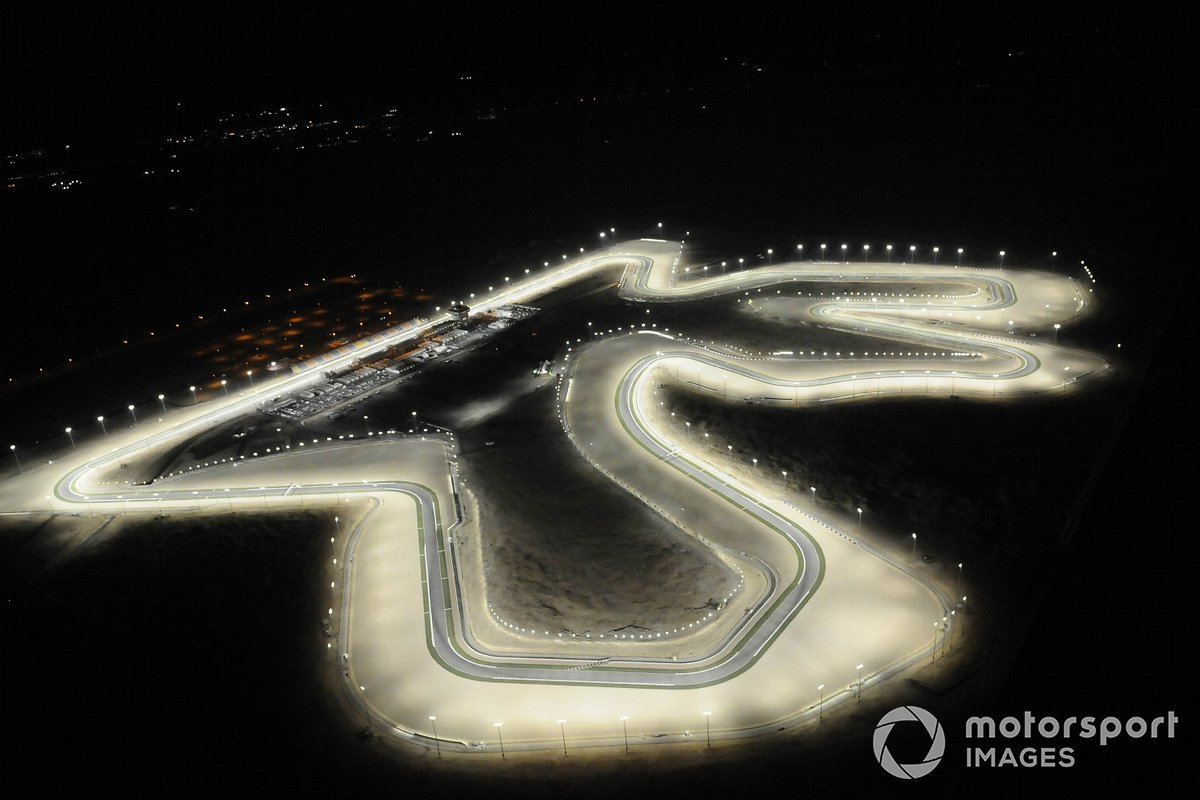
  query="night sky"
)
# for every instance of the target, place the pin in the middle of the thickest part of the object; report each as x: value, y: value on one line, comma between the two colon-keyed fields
x: 997, y: 125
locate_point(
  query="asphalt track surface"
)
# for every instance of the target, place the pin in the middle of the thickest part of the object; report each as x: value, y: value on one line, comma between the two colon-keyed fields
x: 1023, y: 365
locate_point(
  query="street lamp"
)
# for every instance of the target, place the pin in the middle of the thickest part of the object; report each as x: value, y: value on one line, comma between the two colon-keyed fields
x: 960, y: 256
x: 162, y: 401
x: 936, y: 250
x: 436, y: 740
x: 625, y: 728
x: 799, y: 251
x: 72, y: 438
x: 933, y: 649
x: 821, y: 707
x: 133, y: 413
x: 250, y: 375
x: 888, y: 248
x: 225, y: 386
x: 562, y: 727
x: 912, y: 254
x: 100, y: 419
x: 770, y: 252
x: 843, y: 253
x: 822, y: 252
x: 859, y: 510
x: 914, y: 555
x: 1001, y: 258
x: 1056, y: 327
x: 707, y: 728
x: 858, y: 694
x: 192, y: 389
x: 960, y: 576
x: 497, y: 725
x: 17, y: 458
x: 866, y: 251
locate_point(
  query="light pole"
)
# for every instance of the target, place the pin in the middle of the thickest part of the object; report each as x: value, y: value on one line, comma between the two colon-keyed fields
x: 858, y: 693
x: 960, y: 256
x: 707, y: 729
x: 866, y: 251
x: 562, y: 727
x: 813, y: 489
x: 770, y: 253
x: 859, y: 510
x: 225, y: 386
x: 1056, y: 327
x: 914, y: 555
x: 133, y: 413
x: 889, y: 253
x: 250, y: 375
x: 799, y: 252
x: 16, y: 458
x: 625, y: 730
x: 192, y: 389
x: 436, y: 740
x: 72, y: 438
x: 960, y: 576
x: 822, y: 252
x: 912, y: 254
x: 821, y: 706
x: 933, y: 649
x: 945, y: 626
x: 936, y: 250
x: 100, y: 419
x: 843, y: 254
x: 1001, y: 258
x: 500, y: 736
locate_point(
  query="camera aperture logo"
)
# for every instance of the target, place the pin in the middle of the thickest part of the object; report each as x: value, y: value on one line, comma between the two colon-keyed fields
x: 937, y: 742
